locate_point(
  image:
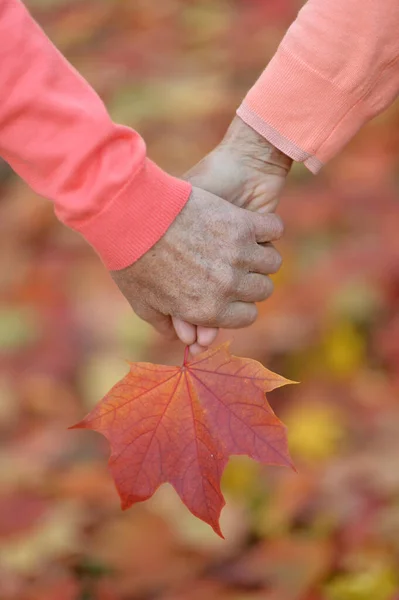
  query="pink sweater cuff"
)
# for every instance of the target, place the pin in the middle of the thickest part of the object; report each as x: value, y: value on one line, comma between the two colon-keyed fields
x: 307, y: 115
x: 296, y: 110
x: 273, y: 136
x: 57, y: 135
x: 137, y: 217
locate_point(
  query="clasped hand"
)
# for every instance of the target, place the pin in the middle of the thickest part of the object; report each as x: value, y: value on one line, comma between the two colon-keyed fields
x: 213, y: 263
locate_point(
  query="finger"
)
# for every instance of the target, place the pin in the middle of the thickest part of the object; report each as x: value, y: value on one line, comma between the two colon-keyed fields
x: 255, y: 288
x: 206, y: 335
x: 263, y: 259
x: 186, y: 332
x: 197, y: 349
x: 162, y: 323
x: 237, y: 315
x: 268, y: 227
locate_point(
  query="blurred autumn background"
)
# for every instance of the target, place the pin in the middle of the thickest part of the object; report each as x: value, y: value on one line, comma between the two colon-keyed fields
x: 176, y: 70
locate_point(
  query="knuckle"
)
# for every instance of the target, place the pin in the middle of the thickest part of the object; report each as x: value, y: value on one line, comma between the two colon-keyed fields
x: 207, y: 313
x: 228, y: 281
x: 216, y: 310
x: 243, y: 229
x: 201, y: 314
x: 223, y: 277
x: 249, y: 227
x: 235, y: 257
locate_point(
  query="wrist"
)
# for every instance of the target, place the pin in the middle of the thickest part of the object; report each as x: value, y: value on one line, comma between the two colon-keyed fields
x: 252, y: 147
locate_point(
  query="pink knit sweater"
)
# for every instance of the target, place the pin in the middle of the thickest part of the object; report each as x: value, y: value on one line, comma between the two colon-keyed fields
x: 337, y: 67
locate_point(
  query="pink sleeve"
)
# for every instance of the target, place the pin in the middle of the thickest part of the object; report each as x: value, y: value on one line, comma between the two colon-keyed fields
x: 336, y: 68
x: 57, y: 135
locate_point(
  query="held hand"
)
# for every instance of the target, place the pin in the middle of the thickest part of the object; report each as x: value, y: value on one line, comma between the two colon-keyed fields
x: 249, y: 172
x: 244, y: 169
x: 208, y: 269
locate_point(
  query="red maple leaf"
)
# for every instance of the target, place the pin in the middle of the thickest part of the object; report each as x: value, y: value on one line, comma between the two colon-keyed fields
x: 181, y: 424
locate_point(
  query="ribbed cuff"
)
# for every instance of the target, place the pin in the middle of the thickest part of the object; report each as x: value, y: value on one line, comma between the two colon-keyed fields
x: 303, y: 114
x: 280, y: 142
x: 137, y: 217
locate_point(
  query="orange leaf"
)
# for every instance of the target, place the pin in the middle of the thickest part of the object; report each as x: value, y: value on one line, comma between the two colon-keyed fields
x: 181, y: 424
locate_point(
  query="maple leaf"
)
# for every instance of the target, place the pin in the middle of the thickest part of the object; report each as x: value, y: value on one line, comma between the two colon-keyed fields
x: 181, y: 424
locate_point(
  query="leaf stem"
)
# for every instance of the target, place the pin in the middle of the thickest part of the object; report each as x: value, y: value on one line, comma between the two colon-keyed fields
x: 186, y: 353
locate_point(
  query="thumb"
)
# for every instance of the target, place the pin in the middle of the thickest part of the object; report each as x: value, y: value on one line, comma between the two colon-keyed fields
x: 268, y: 227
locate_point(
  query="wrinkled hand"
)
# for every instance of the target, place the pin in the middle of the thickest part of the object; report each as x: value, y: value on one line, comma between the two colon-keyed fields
x: 249, y: 172
x: 244, y: 169
x: 208, y: 269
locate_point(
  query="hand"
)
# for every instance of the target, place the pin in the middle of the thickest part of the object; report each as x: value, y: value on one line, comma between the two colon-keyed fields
x: 244, y: 169
x: 208, y: 269
x: 249, y: 172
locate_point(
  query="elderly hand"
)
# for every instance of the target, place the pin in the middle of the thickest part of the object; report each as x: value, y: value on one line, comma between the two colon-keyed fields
x: 208, y: 269
x: 249, y: 172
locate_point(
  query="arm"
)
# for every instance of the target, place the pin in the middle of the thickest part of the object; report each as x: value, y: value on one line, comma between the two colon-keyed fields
x: 57, y: 135
x: 336, y: 68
